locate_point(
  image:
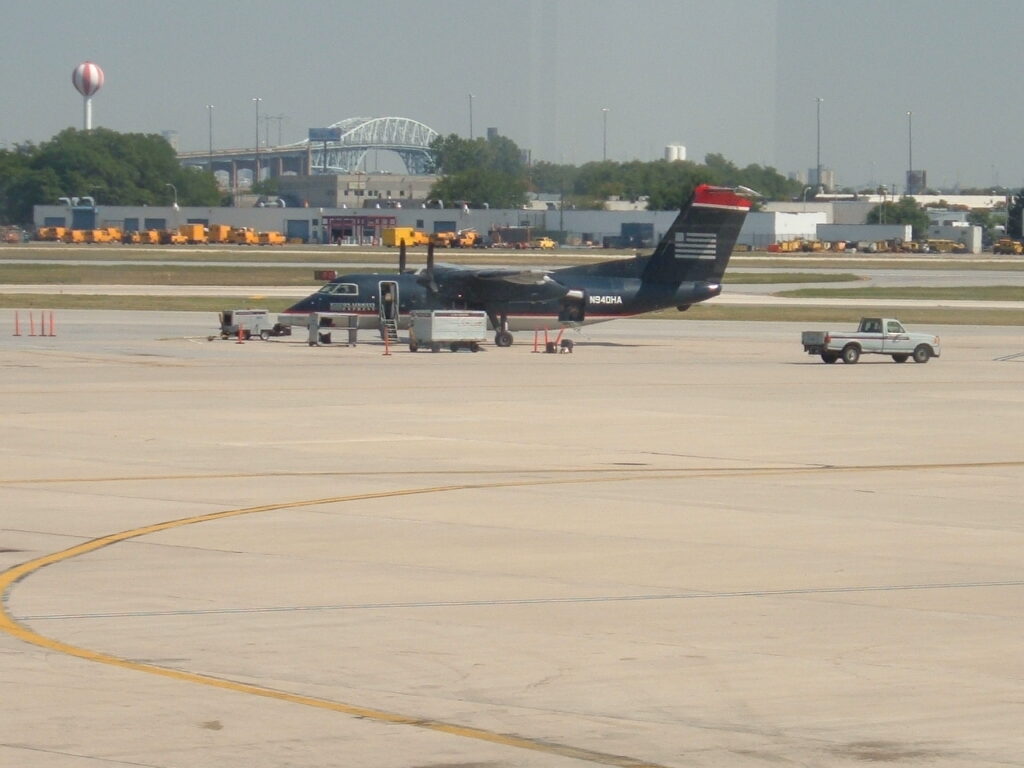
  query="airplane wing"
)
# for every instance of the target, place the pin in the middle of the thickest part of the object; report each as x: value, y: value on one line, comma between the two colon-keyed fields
x: 485, y: 286
x: 514, y: 276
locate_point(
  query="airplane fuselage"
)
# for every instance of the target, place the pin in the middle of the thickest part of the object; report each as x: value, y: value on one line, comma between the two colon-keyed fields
x: 582, y: 300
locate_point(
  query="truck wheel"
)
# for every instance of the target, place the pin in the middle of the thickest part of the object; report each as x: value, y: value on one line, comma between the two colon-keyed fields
x: 922, y: 353
x: 900, y: 358
x: 829, y: 357
x: 851, y: 354
x: 264, y: 335
x: 503, y: 339
x: 413, y: 347
x: 474, y: 347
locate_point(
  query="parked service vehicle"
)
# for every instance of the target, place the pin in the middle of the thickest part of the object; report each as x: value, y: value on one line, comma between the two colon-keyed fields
x: 246, y: 323
x: 874, y: 335
x: 456, y: 329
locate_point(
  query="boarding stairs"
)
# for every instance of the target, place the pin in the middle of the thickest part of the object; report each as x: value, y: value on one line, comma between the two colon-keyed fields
x: 389, y: 330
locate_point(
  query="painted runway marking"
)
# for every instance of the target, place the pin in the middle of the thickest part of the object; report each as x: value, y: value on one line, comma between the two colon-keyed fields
x: 12, y: 626
x: 18, y: 630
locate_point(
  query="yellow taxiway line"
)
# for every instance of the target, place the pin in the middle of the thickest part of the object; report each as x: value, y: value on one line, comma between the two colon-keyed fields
x: 10, y: 577
x: 14, y: 628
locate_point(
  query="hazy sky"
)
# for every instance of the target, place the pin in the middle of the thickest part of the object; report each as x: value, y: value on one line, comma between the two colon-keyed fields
x: 735, y: 77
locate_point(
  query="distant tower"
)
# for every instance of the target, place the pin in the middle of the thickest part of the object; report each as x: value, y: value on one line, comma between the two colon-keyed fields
x: 675, y: 152
x: 87, y: 79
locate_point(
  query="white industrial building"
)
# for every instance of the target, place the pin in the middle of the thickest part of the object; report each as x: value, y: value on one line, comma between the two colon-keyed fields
x: 779, y: 222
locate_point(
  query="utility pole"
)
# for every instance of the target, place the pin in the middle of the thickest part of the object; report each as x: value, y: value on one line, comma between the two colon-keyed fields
x: 256, y: 174
x: 818, y: 181
x: 209, y: 108
x: 911, y: 182
x: 604, y: 142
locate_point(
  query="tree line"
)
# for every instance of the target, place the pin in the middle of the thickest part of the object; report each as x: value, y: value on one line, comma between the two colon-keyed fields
x: 113, y: 168
x: 139, y: 169
x: 494, y: 172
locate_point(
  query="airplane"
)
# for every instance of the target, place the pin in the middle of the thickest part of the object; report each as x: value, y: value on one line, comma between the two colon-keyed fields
x: 686, y: 267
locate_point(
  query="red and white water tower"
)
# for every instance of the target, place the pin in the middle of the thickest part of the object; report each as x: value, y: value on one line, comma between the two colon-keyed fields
x: 87, y: 79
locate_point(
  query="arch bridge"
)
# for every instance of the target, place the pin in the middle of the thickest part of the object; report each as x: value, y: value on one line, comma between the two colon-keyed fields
x: 356, y: 136
x: 344, y: 149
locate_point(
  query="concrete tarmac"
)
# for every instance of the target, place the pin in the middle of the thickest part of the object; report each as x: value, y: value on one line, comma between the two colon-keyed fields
x: 685, y: 544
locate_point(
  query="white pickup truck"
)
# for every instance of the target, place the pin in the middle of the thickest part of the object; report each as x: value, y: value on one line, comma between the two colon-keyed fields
x: 875, y: 335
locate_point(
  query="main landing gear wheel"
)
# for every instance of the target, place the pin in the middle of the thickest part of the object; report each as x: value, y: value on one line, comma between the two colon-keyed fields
x: 503, y: 339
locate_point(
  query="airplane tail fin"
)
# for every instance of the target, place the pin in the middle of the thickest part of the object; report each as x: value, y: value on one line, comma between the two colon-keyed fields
x: 699, y: 243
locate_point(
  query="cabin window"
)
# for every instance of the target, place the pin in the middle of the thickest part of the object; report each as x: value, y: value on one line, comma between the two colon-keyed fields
x: 893, y: 327
x: 340, y: 289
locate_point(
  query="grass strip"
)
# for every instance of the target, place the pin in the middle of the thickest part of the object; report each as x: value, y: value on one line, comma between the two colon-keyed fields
x: 772, y: 278
x: 146, y: 274
x: 952, y: 293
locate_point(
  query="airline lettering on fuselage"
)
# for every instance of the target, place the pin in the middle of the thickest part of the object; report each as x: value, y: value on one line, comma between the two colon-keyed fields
x: 353, y: 306
x: 605, y: 299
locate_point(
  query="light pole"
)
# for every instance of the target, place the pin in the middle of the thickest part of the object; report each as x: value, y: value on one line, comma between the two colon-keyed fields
x: 911, y: 182
x: 604, y: 141
x: 176, y: 209
x: 209, y: 108
x: 256, y: 175
x: 817, y: 181
x: 471, y: 117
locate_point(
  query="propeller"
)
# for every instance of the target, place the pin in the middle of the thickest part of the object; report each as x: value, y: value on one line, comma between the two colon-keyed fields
x: 427, y: 278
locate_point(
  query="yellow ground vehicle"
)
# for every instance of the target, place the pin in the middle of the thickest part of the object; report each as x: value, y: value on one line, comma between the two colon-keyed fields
x: 243, y: 236
x: 270, y: 238
x: 393, y: 236
x: 193, y: 233
x: 544, y: 243
x: 51, y: 233
x: 219, y: 233
x: 945, y: 246
x: 105, y: 235
x: 170, y: 237
x: 467, y: 238
x: 1009, y: 246
x: 443, y: 239
x: 74, y: 236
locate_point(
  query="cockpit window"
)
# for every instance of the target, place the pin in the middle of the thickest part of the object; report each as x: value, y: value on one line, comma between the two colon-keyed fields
x: 341, y: 289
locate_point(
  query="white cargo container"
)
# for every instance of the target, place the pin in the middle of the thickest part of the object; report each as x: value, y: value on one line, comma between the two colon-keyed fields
x: 454, y: 328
